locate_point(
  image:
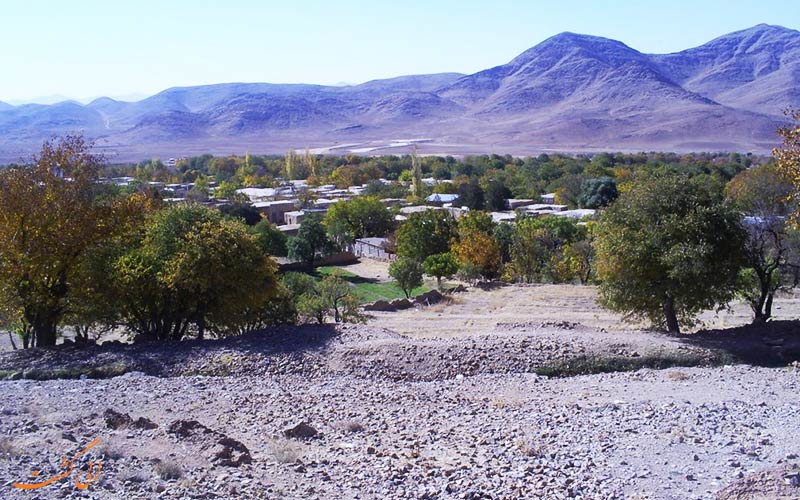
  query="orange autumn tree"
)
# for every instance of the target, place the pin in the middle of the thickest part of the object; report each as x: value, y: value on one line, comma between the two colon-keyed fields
x: 477, y: 250
x: 788, y: 160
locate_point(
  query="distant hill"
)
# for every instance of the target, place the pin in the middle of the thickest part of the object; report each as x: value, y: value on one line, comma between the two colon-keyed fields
x: 570, y: 93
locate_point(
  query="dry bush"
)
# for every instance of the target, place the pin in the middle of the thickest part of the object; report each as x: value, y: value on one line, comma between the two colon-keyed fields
x: 111, y: 451
x: 285, y: 451
x: 679, y: 435
x: 167, y: 470
x: 678, y: 375
x: 131, y: 476
x: 351, y: 426
x: 530, y: 447
x: 7, y: 448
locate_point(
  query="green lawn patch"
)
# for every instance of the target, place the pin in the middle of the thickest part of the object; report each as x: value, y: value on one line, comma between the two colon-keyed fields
x: 370, y: 290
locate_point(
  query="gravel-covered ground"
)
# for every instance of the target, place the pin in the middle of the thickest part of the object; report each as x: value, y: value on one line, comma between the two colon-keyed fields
x: 676, y: 433
x: 395, y: 417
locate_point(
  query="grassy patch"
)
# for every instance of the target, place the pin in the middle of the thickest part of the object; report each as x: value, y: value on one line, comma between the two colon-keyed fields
x: 370, y: 290
x: 657, y: 360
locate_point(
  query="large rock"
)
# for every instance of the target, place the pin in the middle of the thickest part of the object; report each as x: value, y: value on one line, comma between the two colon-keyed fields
x: 429, y: 298
x: 401, y: 304
x: 300, y: 431
x: 380, y: 305
x: 116, y: 420
x: 221, y: 449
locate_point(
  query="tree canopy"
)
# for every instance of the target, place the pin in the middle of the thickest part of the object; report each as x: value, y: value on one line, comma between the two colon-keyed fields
x: 425, y: 234
x: 362, y: 217
x: 407, y: 273
x: 50, y: 221
x: 188, y: 269
x: 667, y: 249
x: 310, y: 242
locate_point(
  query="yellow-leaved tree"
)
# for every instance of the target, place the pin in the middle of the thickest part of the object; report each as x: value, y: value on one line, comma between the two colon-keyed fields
x: 50, y: 219
x: 788, y: 159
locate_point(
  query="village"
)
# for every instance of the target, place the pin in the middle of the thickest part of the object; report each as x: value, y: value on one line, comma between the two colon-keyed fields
x: 287, y: 205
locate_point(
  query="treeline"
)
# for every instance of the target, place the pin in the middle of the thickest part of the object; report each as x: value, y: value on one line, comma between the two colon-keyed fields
x: 71, y: 256
x: 483, y: 181
x: 671, y: 241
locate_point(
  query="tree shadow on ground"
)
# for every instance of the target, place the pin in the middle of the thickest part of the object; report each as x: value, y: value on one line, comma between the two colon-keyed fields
x: 775, y: 343
x: 242, y: 354
x: 351, y: 278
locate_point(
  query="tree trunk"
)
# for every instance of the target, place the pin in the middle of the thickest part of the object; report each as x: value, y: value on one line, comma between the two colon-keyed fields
x: 669, y: 314
x: 11, y: 339
x: 45, y: 333
x: 201, y: 327
x: 768, y: 306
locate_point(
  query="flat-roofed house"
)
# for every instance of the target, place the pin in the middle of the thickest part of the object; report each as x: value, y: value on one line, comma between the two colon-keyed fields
x: 275, y: 211
x: 373, y: 248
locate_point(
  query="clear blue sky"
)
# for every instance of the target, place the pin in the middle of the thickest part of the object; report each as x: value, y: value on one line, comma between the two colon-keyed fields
x: 115, y: 47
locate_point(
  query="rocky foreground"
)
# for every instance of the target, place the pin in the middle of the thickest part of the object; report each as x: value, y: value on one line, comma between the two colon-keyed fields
x: 263, y: 431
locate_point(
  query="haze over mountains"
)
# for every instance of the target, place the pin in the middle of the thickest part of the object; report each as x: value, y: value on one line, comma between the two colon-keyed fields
x: 569, y: 93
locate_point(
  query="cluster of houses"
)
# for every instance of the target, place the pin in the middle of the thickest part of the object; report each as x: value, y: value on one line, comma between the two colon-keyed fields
x: 288, y: 205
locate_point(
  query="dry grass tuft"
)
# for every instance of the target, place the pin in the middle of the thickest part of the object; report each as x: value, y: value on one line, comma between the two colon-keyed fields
x: 530, y: 447
x: 351, y: 426
x: 111, y: 451
x: 167, y: 470
x: 285, y: 451
x: 678, y: 375
x: 131, y: 476
x: 7, y: 448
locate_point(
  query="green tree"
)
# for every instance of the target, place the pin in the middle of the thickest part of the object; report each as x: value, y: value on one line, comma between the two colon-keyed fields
x: 418, y: 188
x: 537, y: 245
x: 771, y: 249
x: 311, y: 241
x: 440, y: 265
x: 597, y: 193
x: 189, y: 267
x: 243, y: 211
x: 504, y: 234
x: 407, y: 273
x: 339, y: 298
x: 298, y: 283
x: 200, y: 190
x: 289, y: 165
x: 332, y: 296
x: 271, y: 239
x: 362, y: 217
x: 425, y: 234
x: 668, y: 249
x: 496, y: 195
x: 227, y: 190
x: 470, y: 195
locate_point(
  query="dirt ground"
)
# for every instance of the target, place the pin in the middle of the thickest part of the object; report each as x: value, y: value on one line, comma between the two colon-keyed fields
x: 478, y: 311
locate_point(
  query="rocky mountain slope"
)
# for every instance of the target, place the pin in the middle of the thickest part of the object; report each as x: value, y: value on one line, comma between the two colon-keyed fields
x: 571, y: 93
